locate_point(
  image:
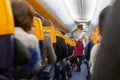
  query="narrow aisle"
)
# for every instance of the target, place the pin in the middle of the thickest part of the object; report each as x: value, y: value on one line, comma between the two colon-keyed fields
x: 80, y: 75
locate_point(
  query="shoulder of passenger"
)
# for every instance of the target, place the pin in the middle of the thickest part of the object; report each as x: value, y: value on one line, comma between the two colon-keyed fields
x: 32, y: 37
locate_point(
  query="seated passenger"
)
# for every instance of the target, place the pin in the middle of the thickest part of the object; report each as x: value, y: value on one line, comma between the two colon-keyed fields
x: 23, y: 15
x: 61, y: 53
x: 49, y: 53
x: 107, y: 64
x: 61, y: 48
x: 88, y: 48
x: 95, y: 48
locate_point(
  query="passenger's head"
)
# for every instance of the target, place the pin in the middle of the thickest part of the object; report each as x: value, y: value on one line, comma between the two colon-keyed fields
x: 109, y: 50
x: 102, y: 18
x: 23, y: 14
x: 62, y: 32
x: 40, y: 17
x: 80, y: 27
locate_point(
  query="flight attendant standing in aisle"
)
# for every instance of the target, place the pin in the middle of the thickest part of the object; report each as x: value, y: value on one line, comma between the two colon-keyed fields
x: 78, y: 52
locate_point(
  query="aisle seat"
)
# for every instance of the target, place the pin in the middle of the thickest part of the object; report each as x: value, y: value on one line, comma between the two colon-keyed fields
x: 40, y: 36
x: 50, y: 69
x: 51, y: 30
x: 58, y: 33
x: 39, y: 32
x: 6, y: 39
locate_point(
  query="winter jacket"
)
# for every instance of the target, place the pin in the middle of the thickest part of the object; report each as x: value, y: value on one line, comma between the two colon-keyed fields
x: 30, y: 41
x: 22, y: 54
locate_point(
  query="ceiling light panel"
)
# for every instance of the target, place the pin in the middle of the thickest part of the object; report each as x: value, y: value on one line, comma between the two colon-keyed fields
x: 72, y: 6
x: 81, y: 10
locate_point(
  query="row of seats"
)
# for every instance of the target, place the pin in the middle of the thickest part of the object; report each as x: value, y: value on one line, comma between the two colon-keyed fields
x: 41, y: 29
x: 7, y: 41
x: 53, y: 33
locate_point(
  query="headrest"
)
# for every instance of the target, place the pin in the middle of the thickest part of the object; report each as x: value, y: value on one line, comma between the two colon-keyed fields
x: 52, y: 33
x: 39, y: 29
x: 6, y: 18
x: 58, y: 33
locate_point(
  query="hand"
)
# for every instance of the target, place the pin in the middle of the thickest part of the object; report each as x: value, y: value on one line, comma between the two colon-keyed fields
x: 46, y: 59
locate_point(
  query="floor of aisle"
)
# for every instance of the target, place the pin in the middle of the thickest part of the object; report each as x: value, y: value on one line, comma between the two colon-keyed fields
x: 80, y: 75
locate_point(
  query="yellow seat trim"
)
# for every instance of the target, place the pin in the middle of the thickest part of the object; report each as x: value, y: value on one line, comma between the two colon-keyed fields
x: 39, y: 29
x: 6, y: 18
x: 52, y: 33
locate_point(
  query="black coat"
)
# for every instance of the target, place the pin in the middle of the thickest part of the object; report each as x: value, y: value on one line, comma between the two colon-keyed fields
x: 61, y: 48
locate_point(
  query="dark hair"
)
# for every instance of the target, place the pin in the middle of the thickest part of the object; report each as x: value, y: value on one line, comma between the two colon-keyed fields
x: 45, y: 22
x: 80, y: 27
x: 62, y: 32
x: 39, y: 16
x: 23, y: 14
x: 102, y: 18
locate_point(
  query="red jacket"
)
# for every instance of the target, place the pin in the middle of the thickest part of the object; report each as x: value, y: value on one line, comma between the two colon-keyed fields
x: 78, y: 49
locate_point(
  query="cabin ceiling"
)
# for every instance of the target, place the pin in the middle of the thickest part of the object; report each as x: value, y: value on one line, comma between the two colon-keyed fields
x: 58, y: 10
x: 81, y: 10
x: 70, y: 12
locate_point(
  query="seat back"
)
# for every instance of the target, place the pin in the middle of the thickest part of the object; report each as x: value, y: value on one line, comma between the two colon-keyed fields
x: 6, y: 39
x: 39, y: 29
x: 39, y: 32
x: 58, y: 33
x: 73, y: 43
x: 52, y: 35
x: 40, y: 36
x: 65, y: 38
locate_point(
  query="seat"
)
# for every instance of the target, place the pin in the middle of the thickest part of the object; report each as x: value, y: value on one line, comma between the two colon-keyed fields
x: 39, y: 32
x: 6, y: 39
x: 65, y: 38
x: 40, y: 36
x: 52, y: 35
x: 50, y: 30
x: 94, y: 38
x: 58, y: 33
